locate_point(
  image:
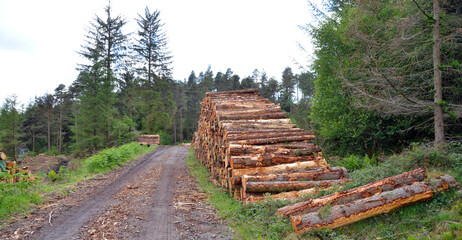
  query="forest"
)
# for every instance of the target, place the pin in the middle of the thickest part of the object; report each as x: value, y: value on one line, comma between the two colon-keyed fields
x: 383, y: 75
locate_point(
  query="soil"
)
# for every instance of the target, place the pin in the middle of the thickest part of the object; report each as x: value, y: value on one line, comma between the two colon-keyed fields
x: 153, y: 197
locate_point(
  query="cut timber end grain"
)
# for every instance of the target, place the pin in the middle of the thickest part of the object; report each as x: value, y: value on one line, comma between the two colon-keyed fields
x: 341, y: 215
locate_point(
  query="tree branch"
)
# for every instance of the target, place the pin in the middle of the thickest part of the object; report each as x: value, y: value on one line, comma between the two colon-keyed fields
x: 428, y: 16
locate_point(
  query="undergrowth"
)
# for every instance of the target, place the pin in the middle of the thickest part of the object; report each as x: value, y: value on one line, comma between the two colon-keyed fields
x: 19, y: 198
x: 438, y: 218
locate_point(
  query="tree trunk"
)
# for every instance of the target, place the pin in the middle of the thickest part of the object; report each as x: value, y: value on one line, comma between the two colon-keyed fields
x: 48, y: 129
x: 438, y: 84
x: 344, y: 214
x: 368, y: 190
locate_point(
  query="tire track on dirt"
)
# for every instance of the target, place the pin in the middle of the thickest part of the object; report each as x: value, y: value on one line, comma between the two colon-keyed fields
x: 160, y: 225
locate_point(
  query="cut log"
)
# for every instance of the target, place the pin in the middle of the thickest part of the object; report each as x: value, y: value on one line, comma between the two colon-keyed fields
x: 273, y: 140
x: 2, y: 156
x: 306, y: 149
x: 368, y: 190
x: 279, y: 168
x: 304, y: 175
x: 291, y: 196
x: 284, y: 186
x: 344, y: 214
x: 275, y: 115
x: 265, y: 160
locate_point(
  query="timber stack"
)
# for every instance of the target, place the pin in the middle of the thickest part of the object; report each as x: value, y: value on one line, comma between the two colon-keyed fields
x: 149, y: 140
x: 251, y: 148
x: 346, y: 207
x: 11, y: 169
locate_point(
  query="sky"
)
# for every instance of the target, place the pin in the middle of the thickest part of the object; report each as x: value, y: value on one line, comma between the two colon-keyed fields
x: 39, y: 40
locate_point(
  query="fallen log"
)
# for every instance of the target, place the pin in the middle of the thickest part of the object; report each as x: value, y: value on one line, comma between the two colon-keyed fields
x: 368, y: 190
x: 344, y: 214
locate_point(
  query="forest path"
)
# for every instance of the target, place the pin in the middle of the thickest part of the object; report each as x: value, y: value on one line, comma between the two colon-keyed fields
x: 144, y: 200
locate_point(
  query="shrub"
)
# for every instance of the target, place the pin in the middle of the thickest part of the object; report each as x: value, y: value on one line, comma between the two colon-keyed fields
x: 113, y: 157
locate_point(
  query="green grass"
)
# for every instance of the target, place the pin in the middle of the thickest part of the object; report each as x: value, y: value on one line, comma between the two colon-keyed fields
x: 251, y: 221
x: 19, y: 198
x: 438, y: 218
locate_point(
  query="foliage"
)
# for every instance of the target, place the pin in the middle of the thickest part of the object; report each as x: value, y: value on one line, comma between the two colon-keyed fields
x: 16, y: 198
x: 52, y: 175
x: 111, y: 158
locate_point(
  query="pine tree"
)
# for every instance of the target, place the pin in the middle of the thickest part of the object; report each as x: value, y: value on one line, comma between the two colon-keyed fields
x: 287, y: 87
x: 9, y: 126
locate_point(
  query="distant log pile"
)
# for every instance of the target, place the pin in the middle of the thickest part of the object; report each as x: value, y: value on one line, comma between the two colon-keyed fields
x: 346, y: 207
x: 12, y: 170
x: 149, y: 140
x: 252, y: 148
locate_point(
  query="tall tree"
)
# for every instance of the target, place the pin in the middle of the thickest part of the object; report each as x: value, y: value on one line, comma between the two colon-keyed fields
x: 106, y: 42
x: 389, y: 68
x: 151, y: 46
x: 288, y: 88
x: 9, y: 126
x: 46, y: 103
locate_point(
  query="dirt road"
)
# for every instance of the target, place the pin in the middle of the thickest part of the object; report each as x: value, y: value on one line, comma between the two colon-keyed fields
x: 154, y: 197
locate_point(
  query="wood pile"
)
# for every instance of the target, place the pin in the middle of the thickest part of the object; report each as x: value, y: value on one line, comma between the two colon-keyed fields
x: 149, y: 140
x: 251, y: 148
x: 346, y: 207
x: 11, y: 169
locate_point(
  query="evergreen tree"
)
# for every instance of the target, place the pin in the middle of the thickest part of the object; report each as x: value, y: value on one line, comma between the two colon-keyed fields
x: 287, y: 87
x: 151, y: 46
x: 192, y: 111
x: 9, y: 126
x: 46, y: 104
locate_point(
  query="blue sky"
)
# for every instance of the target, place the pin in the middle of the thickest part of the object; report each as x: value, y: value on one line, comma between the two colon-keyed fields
x: 39, y: 39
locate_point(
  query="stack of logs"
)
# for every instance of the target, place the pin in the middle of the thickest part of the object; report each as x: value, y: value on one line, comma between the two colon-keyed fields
x: 346, y: 207
x: 10, y: 168
x: 252, y: 148
x: 149, y: 140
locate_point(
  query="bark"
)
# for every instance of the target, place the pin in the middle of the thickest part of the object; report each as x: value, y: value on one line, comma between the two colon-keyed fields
x: 303, y: 175
x: 284, y: 186
x: 438, y: 82
x: 234, y: 137
x: 274, y: 115
x: 265, y: 160
x: 291, y: 196
x: 307, y: 149
x: 274, y: 140
x: 344, y: 214
x: 368, y: 190
x: 278, y: 168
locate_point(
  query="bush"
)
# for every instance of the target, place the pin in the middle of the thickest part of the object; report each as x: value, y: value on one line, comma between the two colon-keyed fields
x: 113, y: 157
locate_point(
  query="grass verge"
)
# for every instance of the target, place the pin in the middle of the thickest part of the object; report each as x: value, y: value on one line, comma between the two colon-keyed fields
x: 19, y: 198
